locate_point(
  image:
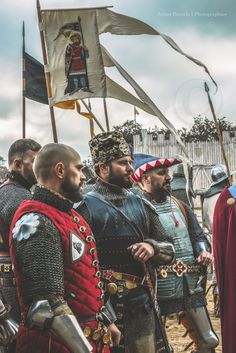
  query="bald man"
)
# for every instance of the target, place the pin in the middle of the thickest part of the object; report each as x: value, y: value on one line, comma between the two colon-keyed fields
x: 56, y: 267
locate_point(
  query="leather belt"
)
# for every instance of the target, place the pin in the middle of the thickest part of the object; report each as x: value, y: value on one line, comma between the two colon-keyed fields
x: 89, y: 318
x: 7, y: 282
x: 6, y: 268
x: 112, y: 275
x: 178, y: 268
x: 119, y: 283
x: 4, y: 253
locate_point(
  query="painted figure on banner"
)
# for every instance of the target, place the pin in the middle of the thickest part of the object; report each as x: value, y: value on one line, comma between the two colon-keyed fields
x: 76, y: 55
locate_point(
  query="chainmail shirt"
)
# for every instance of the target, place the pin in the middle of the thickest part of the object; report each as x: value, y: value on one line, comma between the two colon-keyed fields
x: 42, y: 271
x: 12, y: 193
x: 11, y: 196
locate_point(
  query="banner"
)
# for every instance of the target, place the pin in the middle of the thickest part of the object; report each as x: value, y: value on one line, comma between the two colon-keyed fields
x: 35, y: 84
x: 74, y: 54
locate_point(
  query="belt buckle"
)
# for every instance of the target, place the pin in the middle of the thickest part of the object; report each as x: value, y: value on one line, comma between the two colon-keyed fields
x: 122, y: 290
x: 163, y: 273
x: 118, y: 276
x: 99, y: 317
x: 130, y: 285
x: 179, y: 268
x: 112, y: 288
x: 7, y: 267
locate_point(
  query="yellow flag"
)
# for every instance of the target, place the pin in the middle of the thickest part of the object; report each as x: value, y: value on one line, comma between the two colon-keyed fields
x: 65, y: 105
x: 86, y: 115
x: 72, y: 105
x: 136, y: 112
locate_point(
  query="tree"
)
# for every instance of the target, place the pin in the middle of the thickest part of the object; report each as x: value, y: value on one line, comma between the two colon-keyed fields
x: 2, y: 161
x: 204, y: 129
x: 129, y: 128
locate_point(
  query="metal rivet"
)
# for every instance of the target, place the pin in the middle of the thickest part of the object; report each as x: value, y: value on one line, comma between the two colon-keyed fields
x: 76, y: 219
x: 97, y: 274
x: 82, y: 229
x: 101, y: 297
x: 87, y: 331
x: 92, y: 251
x: 95, y: 263
x: 88, y: 239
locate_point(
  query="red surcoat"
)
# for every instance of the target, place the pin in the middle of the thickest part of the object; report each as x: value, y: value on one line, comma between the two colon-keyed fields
x: 80, y: 278
x: 224, y: 249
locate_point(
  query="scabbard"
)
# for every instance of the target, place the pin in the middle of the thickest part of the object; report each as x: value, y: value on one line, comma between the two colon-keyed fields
x: 163, y: 345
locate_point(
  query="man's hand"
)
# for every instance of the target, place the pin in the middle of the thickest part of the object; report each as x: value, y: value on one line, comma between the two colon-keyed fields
x: 205, y: 258
x: 115, y: 335
x: 141, y: 251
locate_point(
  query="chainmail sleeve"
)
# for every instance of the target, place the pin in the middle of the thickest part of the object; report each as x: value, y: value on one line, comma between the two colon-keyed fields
x: 11, y: 197
x: 39, y: 257
x: 197, y: 236
x: 159, y: 239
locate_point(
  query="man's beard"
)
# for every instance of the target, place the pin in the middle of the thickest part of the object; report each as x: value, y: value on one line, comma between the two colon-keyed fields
x: 119, y: 180
x: 71, y: 192
x: 31, y: 180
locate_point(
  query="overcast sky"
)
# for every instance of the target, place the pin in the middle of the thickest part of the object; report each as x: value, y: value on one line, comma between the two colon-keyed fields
x: 203, y: 29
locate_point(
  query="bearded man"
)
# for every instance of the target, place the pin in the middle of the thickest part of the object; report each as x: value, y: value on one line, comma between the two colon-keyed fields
x: 13, y: 191
x: 130, y: 243
x: 179, y: 287
x: 55, y: 263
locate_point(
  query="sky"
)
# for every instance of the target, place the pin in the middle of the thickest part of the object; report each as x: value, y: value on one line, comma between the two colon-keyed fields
x: 204, y: 29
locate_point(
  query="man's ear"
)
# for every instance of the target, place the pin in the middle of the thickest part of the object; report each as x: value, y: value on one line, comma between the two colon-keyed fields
x: 17, y: 164
x: 145, y: 179
x: 59, y: 169
x: 103, y: 167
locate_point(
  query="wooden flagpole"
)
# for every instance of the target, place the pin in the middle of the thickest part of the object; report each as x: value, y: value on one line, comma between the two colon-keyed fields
x: 218, y: 133
x: 47, y: 74
x: 91, y: 122
x: 23, y: 82
x: 94, y: 117
x: 106, y: 114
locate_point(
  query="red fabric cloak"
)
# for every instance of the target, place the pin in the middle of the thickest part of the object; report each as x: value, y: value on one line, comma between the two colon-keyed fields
x: 224, y: 249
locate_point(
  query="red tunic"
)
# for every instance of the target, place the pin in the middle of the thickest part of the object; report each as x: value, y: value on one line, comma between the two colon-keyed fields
x: 79, y: 278
x: 224, y: 248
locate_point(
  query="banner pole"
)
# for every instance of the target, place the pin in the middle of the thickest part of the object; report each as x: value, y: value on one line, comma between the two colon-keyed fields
x: 23, y: 83
x: 47, y: 74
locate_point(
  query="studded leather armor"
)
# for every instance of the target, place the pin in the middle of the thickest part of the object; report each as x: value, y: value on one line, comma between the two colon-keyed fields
x: 76, y: 270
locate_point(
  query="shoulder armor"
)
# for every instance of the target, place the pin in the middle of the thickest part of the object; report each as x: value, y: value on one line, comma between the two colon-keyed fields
x: 25, y: 227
